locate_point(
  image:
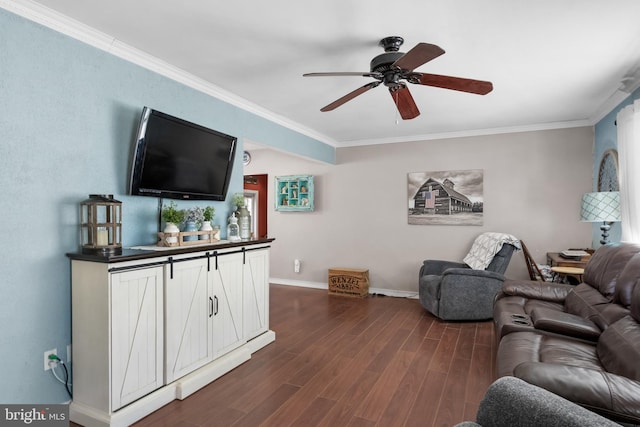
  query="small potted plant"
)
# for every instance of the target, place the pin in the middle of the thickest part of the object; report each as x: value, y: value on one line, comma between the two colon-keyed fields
x: 172, y: 216
x: 207, y: 216
x: 192, y: 221
x: 208, y: 213
x: 238, y: 200
x: 243, y: 215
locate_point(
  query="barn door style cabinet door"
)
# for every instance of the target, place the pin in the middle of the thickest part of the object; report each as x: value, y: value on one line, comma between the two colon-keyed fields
x: 187, y: 326
x: 255, y: 289
x: 117, y: 334
x: 225, y: 284
x: 137, y: 341
x: 203, y: 311
x: 294, y: 193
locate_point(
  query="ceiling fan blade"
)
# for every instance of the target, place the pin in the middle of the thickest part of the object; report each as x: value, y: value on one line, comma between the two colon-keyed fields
x: 405, y: 103
x: 361, y: 74
x: 348, y: 97
x: 478, y: 87
x: 418, y: 55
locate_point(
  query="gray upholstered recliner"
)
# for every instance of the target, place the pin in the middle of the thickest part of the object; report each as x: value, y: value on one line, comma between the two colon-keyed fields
x: 456, y: 291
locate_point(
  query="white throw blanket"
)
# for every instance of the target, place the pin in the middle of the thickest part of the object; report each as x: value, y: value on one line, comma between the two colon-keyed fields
x: 486, y: 246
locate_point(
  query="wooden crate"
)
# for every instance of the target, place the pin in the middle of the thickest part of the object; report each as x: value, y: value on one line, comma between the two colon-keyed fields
x: 351, y: 282
x: 209, y: 237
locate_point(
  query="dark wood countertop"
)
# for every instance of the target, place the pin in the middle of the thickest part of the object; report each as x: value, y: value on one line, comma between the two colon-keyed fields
x: 130, y: 254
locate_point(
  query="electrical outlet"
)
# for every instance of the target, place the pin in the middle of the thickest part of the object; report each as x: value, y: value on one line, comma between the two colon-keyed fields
x: 296, y: 266
x: 68, y: 353
x: 46, y: 358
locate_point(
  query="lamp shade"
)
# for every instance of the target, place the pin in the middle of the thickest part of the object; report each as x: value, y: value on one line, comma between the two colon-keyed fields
x: 601, y: 207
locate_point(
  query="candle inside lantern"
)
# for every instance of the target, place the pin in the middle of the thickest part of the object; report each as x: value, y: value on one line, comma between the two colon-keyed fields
x: 102, y: 237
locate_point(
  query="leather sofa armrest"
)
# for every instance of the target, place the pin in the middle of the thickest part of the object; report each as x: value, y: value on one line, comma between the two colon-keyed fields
x: 554, y: 292
x: 437, y: 267
x: 611, y: 395
x: 564, y: 323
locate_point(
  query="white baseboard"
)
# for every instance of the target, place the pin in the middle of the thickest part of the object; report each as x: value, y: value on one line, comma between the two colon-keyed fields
x: 91, y: 417
x: 261, y: 341
x: 393, y: 293
x: 298, y: 283
x: 199, y: 378
x: 324, y: 285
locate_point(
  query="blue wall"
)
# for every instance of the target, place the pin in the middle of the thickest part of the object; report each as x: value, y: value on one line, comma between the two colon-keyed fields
x: 606, y: 138
x: 68, y: 115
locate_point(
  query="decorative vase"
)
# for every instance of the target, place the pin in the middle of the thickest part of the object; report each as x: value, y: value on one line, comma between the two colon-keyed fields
x: 170, y: 227
x: 206, y: 226
x: 233, y: 231
x: 244, y: 222
x: 190, y: 226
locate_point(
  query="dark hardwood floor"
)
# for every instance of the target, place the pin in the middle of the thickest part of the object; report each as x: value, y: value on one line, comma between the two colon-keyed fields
x: 339, y: 361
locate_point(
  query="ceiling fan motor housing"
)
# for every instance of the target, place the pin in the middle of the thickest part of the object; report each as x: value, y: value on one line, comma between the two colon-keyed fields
x: 383, y: 64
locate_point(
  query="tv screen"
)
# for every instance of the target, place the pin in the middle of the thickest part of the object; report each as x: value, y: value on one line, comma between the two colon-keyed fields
x: 177, y: 159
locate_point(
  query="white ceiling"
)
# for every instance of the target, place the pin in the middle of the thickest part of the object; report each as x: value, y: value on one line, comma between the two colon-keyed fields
x: 553, y: 63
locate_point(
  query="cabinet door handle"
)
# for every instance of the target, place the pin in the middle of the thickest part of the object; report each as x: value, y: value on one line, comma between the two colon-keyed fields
x: 210, y: 306
x: 215, y: 313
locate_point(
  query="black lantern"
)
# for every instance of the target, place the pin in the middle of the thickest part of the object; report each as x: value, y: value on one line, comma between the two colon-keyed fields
x: 101, y: 224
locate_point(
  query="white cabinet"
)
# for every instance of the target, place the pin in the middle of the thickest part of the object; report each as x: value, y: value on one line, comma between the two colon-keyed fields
x: 152, y: 327
x: 136, y: 335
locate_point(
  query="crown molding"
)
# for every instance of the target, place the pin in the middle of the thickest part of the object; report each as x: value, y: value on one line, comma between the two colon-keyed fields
x: 469, y: 133
x: 629, y: 83
x: 610, y: 104
x: 63, y: 24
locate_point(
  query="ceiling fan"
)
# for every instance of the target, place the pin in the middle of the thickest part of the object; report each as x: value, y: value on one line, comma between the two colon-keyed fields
x: 393, y: 68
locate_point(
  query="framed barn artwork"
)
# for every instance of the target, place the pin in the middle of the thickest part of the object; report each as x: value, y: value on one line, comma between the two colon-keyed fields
x: 445, y: 197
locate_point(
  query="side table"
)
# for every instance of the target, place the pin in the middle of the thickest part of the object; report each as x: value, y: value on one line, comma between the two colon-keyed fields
x: 571, y: 269
x: 554, y: 259
x: 566, y: 273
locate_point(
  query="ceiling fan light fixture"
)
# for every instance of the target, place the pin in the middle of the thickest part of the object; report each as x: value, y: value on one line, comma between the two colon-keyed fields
x: 392, y: 67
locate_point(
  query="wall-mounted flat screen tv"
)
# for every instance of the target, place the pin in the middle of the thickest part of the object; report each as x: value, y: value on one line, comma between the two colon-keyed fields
x: 177, y: 159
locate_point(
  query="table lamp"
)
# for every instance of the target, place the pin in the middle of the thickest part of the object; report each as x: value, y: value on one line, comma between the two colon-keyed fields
x: 601, y: 207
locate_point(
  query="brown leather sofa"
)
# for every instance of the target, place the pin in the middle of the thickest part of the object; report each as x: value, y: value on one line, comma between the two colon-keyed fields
x: 581, y: 343
x: 581, y: 311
